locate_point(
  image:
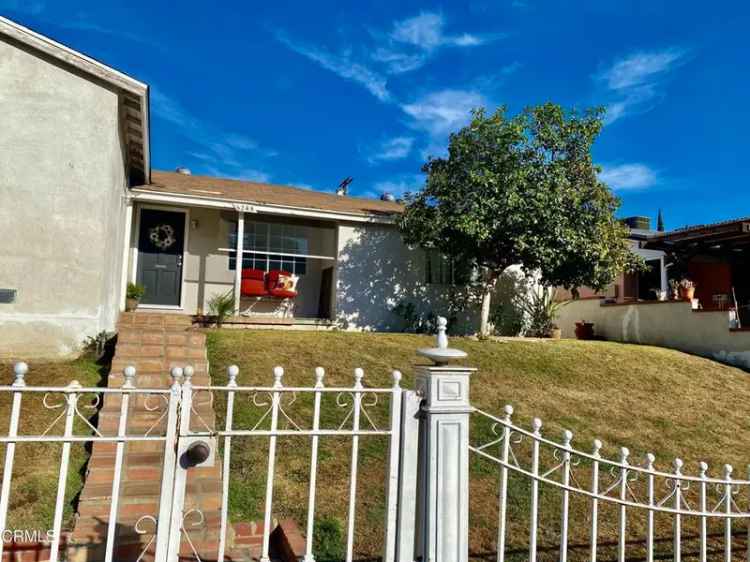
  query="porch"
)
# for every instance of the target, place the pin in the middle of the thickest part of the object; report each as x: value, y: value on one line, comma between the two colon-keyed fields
x: 717, y: 259
x: 186, y: 255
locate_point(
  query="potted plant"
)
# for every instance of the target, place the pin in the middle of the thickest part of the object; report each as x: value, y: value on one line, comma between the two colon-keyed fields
x: 674, y: 287
x: 661, y: 295
x: 555, y: 332
x: 133, y: 296
x: 584, y: 330
x: 687, y: 290
x: 221, y: 306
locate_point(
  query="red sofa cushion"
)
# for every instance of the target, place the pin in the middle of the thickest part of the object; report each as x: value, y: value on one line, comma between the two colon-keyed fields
x: 253, y: 287
x: 249, y: 273
x: 282, y: 293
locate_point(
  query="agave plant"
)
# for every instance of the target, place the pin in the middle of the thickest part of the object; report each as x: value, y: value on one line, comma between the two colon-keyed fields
x: 221, y: 306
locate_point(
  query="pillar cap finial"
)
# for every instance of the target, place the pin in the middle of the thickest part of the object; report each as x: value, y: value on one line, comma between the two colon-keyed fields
x: 441, y: 354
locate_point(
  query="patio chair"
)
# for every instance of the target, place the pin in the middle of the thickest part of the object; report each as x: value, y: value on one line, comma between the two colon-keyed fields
x: 276, y: 286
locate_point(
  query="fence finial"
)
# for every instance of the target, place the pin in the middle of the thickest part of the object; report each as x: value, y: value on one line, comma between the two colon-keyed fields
x: 20, y: 369
x: 176, y: 373
x: 624, y: 454
x: 396, y: 378
x: 728, y: 471
x: 320, y: 373
x: 567, y: 437
x: 233, y: 372
x: 359, y: 374
x: 703, y: 468
x: 650, y: 460
x: 597, y: 447
x: 508, y: 409
x: 128, y: 374
x: 536, y: 425
x: 278, y: 374
x: 188, y: 372
x: 678, y: 464
x: 441, y: 354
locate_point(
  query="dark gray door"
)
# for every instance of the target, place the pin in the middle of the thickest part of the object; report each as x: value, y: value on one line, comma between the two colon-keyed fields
x: 160, y: 245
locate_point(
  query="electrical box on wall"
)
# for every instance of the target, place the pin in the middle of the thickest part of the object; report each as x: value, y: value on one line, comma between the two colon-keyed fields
x: 8, y: 296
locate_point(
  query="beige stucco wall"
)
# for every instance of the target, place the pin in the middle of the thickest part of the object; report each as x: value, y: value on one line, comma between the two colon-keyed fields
x: 376, y: 271
x: 62, y: 181
x: 670, y: 324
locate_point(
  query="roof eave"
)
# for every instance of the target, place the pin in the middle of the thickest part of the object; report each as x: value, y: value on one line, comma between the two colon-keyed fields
x: 145, y: 194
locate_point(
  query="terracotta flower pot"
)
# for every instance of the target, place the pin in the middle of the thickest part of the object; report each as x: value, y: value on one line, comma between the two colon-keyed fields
x: 131, y: 305
x: 585, y: 330
x: 555, y: 333
x: 687, y: 293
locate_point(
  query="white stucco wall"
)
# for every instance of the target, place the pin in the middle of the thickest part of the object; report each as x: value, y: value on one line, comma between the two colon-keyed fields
x: 376, y: 271
x: 62, y: 181
x: 668, y: 324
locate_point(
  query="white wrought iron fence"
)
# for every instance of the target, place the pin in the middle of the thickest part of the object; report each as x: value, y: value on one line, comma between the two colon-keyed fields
x: 549, y: 492
x: 636, y: 492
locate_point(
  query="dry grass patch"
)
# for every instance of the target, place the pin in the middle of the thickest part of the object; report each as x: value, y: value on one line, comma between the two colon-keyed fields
x: 648, y: 399
x: 36, y: 464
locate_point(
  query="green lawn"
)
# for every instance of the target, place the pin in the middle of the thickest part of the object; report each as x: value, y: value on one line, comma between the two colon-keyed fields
x: 36, y: 465
x: 648, y: 399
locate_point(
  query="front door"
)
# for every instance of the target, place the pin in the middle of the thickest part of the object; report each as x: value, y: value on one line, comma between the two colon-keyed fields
x: 160, y: 245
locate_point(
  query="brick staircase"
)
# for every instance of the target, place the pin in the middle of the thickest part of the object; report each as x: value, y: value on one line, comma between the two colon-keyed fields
x: 153, y: 343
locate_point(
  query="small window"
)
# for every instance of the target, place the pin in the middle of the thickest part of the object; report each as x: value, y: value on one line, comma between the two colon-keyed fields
x: 442, y: 270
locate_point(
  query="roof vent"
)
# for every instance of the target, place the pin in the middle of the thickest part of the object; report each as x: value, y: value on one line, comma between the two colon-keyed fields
x: 183, y: 171
x: 343, y: 187
x: 388, y: 197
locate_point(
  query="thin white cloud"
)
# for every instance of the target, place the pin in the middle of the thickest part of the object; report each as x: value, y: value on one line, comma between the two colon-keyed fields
x: 640, y: 68
x: 245, y: 174
x: 222, y: 153
x: 440, y: 113
x: 628, y: 177
x: 396, y: 148
x: 633, y: 83
x: 397, y: 186
x: 342, y: 65
x: 426, y: 32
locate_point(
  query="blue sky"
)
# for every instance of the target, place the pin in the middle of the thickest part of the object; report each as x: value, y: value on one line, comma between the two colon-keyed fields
x: 307, y: 93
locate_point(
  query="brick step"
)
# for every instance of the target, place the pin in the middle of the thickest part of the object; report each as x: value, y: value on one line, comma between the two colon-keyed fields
x: 160, y: 366
x: 150, y: 336
x: 147, y: 488
x: 138, y: 351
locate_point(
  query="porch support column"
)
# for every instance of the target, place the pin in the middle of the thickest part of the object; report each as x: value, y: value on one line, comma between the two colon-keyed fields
x: 443, y: 475
x: 126, y: 253
x: 238, y: 261
x: 663, y: 273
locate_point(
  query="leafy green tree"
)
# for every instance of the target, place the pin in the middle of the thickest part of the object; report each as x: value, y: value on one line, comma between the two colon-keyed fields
x: 522, y: 190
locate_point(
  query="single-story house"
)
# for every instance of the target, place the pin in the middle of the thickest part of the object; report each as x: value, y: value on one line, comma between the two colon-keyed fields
x: 83, y: 215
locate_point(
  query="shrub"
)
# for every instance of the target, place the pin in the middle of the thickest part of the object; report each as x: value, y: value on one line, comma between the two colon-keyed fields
x: 328, y: 540
x: 135, y: 291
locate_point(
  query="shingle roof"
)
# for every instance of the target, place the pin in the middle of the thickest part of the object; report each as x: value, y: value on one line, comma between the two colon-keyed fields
x: 264, y: 193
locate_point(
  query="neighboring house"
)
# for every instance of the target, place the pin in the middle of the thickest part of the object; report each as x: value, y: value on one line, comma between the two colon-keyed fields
x: 74, y: 137
x: 631, y: 287
x: 716, y: 323
x: 83, y: 215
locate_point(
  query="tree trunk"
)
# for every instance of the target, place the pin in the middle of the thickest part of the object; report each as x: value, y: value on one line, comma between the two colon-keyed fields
x: 484, y: 326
